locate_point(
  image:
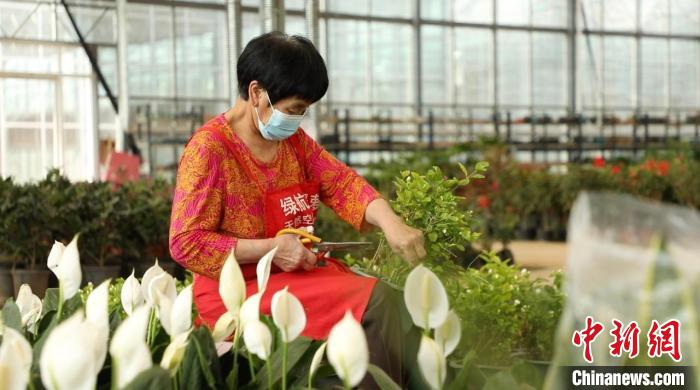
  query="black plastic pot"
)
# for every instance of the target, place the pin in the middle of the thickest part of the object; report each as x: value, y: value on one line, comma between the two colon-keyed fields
x: 96, y: 274
x: 37, y: 279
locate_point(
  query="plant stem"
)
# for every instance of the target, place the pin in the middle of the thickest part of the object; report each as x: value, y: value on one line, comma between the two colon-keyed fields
x: 269, y: 374
x: 113, y: 385
x: 250, y: 366
x: 234, y: 351
x: 284, y: 366
x: 151, y: 320
x: 59, y: 310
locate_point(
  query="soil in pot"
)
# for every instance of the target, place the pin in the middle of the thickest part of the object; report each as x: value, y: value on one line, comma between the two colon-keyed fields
x: 96, y: 274
x: 6, y: 286
x: 37, y: 279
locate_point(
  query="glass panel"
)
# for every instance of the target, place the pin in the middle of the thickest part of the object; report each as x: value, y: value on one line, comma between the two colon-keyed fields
x: 550, y: 69
x: 654, y: 88
x: 591, y: 14
x: 150, y: 50
x: 349, y: 7
x: 348, y: 60
x: 620, y: 72
x: 513, y: 68
x: 590, y: 71
x: 294, y: 4
x: 251, y: 27
x: 29, y: 57
x: 27, y: 142
x: 399, y: 9
x: 392, y: 76
x: 513, y: 12
x: 550, y: 13
x: 620, y: 15
x: 685, y: 16
x: 474, y: 11
x: 473, y: 57
x: 75, y: 61
x: 435, y: 9
x: 435, y: 65
x: 654, y: 14
x: 684, y: 73
x: 201, y: 52
x: 295, y: 25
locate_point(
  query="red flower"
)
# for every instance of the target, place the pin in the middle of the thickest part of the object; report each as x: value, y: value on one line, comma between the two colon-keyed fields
x: 662, y: 168
x: 483, y: 201
x: 616, y: 169
x: 494, y: 186
x: 598, y: 162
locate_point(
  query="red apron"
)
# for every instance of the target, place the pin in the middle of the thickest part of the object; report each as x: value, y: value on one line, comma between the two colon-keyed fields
x: 326, y: 292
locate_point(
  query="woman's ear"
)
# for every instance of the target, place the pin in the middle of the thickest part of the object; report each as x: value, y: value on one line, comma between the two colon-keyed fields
x: 255, y: 92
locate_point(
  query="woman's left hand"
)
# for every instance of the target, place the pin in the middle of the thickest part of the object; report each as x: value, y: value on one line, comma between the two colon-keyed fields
x: 405, y: 241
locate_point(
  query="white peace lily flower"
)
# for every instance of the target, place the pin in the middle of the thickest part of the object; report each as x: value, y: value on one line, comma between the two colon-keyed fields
x: 426, y: 298
x: 68, y: 359
x: 97, y: 313
x: 448, y: 334
x: 128, y: 348
x: 15, y: 360
x: 162, y: 285
x: 154, y: 271
x: 250, y: 311
x: 258, y: 339
x: 316, y: 360
x: 288, y: 315
x: 64, y: 262
x: 224, y: 327
x: 175, y: 317
x: 131, y: 295
x: 431, y: 361
x: 347, y: 350
x: 174, y: 352
x: 29, y: 307
x: 263, y: 269
x: 232, y: 285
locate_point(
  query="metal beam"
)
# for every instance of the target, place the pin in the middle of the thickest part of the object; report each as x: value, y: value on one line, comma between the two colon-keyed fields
x: 234, y: 32
x: 122, y: 76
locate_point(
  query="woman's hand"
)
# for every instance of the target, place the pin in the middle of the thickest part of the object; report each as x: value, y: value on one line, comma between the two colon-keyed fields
x: 404, y: 240
x: 292, y: 255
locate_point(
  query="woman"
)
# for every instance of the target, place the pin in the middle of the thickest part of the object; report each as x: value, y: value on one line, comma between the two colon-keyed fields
x: 251, y: 172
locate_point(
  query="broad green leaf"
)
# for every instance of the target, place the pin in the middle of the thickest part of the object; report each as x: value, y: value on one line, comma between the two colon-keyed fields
x: 500, y: 381
x: 155, y: 378
x: 481, y: 166
x: 200, y: 365
x: 382, y: 379
x: 50, y: 302
x: 11, y: 315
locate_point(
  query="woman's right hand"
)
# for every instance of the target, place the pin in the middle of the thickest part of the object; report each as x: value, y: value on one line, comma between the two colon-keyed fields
x: 292, y: 255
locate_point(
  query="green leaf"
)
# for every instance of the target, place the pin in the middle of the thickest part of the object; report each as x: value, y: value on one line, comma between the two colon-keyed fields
x: 295, y: 351
x: 528, y: 373
x: 383, y: 380
x: 155, y: 378
x: 11, y: 315
x: 50, y: 302
x: 200, y: 364
x: 481, y: 166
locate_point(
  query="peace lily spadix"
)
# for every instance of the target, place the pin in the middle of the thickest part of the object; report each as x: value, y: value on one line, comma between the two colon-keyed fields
x: 448, y: 334
x: 431, y: 361
x: 426, y: 298
x: 15, y: 360
x: 64, y: 262
x: 69, y: 357
x: 29, y: 307
x: 175, y: 317
x: 130, y: 354
x: 97, y: 314
x: 258, y: 339
x: 232, y: 285
x: 347, y: 350
x: 131, y: 294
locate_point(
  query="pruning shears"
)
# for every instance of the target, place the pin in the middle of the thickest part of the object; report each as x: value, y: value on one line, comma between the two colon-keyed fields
x: 320, y: 247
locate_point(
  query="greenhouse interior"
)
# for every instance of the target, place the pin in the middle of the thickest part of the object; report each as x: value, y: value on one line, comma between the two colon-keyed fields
x: 336, y: 194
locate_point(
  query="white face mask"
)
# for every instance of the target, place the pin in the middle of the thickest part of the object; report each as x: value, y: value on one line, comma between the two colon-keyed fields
x: 280, y: 126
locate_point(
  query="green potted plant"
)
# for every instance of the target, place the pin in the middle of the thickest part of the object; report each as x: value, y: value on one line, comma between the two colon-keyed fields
x: 25, y: 237
x: 6, y: 285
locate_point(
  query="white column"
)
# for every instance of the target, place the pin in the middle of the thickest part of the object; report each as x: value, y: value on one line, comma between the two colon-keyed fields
x: 234, y: 27
x: 123, y: 122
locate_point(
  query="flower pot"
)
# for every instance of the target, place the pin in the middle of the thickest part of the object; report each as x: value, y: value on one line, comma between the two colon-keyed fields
x: 96, y: 274
x: 37, y: 279
x: 6, y: 286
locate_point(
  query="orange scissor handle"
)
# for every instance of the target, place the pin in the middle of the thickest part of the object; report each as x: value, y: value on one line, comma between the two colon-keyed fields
x: 307, y: 237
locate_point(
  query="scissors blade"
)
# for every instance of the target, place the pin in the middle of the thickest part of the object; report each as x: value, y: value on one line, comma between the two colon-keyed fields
x: 331, y: 246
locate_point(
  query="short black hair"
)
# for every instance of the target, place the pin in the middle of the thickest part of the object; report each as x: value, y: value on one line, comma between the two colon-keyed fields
x: 286, y: 66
